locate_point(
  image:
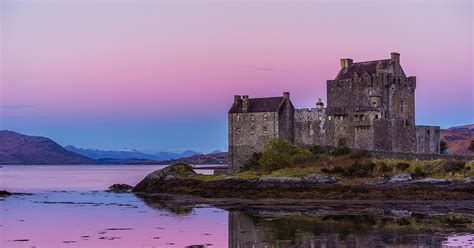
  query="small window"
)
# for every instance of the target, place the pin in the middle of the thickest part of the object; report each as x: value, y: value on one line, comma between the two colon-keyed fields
x: 427, y: 131
x: 402, y: 106
x: 237, y: 130
x: 374, y: 103
x: 252, y: 117
x: 341, y: 118
x: 320, y: 118
x: 238, y: 117
x: 329, y: 117
x: 376, y: 116
x: 265, y: 116
x: 252, y: 130
x: 264, y: 129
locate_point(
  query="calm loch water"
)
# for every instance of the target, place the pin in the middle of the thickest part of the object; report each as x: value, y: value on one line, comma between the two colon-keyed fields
x: 69, y: 208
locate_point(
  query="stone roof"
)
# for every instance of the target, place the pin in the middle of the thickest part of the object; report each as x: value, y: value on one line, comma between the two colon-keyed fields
x: 266, y: 104
x: 366, y: 66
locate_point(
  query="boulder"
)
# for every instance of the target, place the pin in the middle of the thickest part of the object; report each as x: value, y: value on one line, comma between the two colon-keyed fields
x: 400, y: 178
x: 120, y: 188
x: 270, y: 179
x: 4, y: 193
x: 469, y: 179
x: 155, y: 178
x: 436, y: 181
x: 317, y: 178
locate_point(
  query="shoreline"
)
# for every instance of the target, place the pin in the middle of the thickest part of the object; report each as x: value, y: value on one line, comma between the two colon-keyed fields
x: 255, y: 189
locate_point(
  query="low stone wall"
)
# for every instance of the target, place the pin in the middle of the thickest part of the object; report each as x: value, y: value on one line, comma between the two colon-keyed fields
x: 403, y: 156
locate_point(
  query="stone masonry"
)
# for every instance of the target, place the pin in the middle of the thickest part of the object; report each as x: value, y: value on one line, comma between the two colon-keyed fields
x: 371, y: 106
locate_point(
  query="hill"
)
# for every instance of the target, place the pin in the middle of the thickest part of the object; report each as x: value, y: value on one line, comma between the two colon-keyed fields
x: 458, y: 138
x: 17, y: 149
x: 115, y: 154
x: 212, y: 158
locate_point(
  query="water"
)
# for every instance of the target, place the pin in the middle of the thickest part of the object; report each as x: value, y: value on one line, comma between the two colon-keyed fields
x: 69, y: 208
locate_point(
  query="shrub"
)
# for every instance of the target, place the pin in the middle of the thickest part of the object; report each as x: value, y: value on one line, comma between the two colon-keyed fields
x: 402, y: 166
x: 252, y: 163
x: 454, y: 166
x: 339, y: 151
x: 383, y: 168
x: 358, y: 154
x: 181, y: 169
x: 360, y: 169
x: 317, y: 150
x: 280, y: 153
x: 418, y: 172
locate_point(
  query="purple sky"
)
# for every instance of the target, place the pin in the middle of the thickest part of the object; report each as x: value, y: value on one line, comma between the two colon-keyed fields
x: 161, y: 75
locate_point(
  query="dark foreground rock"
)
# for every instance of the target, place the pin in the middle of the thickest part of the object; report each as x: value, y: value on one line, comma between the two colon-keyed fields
x: 120, y: 188
x: 5, y: 193
x: 172, y: 172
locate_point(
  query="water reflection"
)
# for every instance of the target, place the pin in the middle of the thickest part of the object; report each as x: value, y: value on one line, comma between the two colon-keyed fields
x: 273, y: 227
x: 255, y: 229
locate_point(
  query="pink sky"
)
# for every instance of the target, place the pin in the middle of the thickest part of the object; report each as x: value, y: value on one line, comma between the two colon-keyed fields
x: 157, y: 63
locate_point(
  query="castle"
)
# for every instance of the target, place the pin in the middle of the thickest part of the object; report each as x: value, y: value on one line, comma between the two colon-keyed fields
x: 370, y: 106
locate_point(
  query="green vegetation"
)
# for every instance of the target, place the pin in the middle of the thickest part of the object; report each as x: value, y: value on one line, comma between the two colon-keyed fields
x: 281, y: 158
x: 181, y: 169
x: 280, y: 153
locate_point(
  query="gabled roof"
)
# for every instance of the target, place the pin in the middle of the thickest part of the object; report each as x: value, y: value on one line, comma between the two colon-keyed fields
x: 266, y: 104
x: 366, y: 66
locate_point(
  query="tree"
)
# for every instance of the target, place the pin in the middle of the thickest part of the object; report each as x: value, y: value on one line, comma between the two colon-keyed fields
x: 443, y: 147
x: 471, y: 146
x: 280, y: 153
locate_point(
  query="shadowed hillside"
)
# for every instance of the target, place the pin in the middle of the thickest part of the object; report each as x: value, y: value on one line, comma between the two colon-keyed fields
x: 458, y: 138
x: 17, y: 148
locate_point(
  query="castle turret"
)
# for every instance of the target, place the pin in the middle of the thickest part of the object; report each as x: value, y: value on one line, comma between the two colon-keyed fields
x: 375, y: 98
x: 395, y: 57
x: 245, y: 104
x: 319, y: 104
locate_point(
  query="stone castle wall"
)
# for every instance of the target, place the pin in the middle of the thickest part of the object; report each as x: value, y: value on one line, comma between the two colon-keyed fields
x: 249, y: 132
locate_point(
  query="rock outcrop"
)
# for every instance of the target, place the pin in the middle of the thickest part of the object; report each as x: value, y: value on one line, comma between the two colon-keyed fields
x: 400, y: 178
x: 154, y: 179
x: 319, y: 179
x: 120, y: 188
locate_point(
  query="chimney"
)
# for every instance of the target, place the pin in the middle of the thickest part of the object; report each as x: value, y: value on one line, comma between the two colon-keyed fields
x: 319, y: 104
x: 395, y: 57
x: 237, y: 99
x: 286, y: 95
x: 345, y: 63
x: 245, y: 104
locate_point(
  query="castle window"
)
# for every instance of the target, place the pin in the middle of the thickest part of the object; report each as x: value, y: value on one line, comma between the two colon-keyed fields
x: 320, y: 118
x: 309, y: 118
x: 264, y: 129
x: 238, y: 117
x: 265, y: 117
x: 237, y: 130
x: 427, y: 131
x: 341, y: 118
x: 252, y: 117
x: 402, y: 106
x: 252, y: 130
x: 376, y: 116
x: 329, y: 117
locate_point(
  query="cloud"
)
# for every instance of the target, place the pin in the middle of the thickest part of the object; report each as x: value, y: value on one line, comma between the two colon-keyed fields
x: 17, y: 106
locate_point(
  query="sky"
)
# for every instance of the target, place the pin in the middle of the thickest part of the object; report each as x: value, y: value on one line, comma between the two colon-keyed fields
x: 161, y: 75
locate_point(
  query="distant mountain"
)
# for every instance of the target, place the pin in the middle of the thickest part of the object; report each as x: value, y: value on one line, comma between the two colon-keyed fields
x: 174, y: 155
x: 216, y: 151
x: 115, y: 154
x: 17, y: 149
x: 458, y: 138
x: 212, y: 158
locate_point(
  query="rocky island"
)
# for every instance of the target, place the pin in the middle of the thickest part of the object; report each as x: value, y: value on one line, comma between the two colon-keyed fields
x: 299, y: 173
